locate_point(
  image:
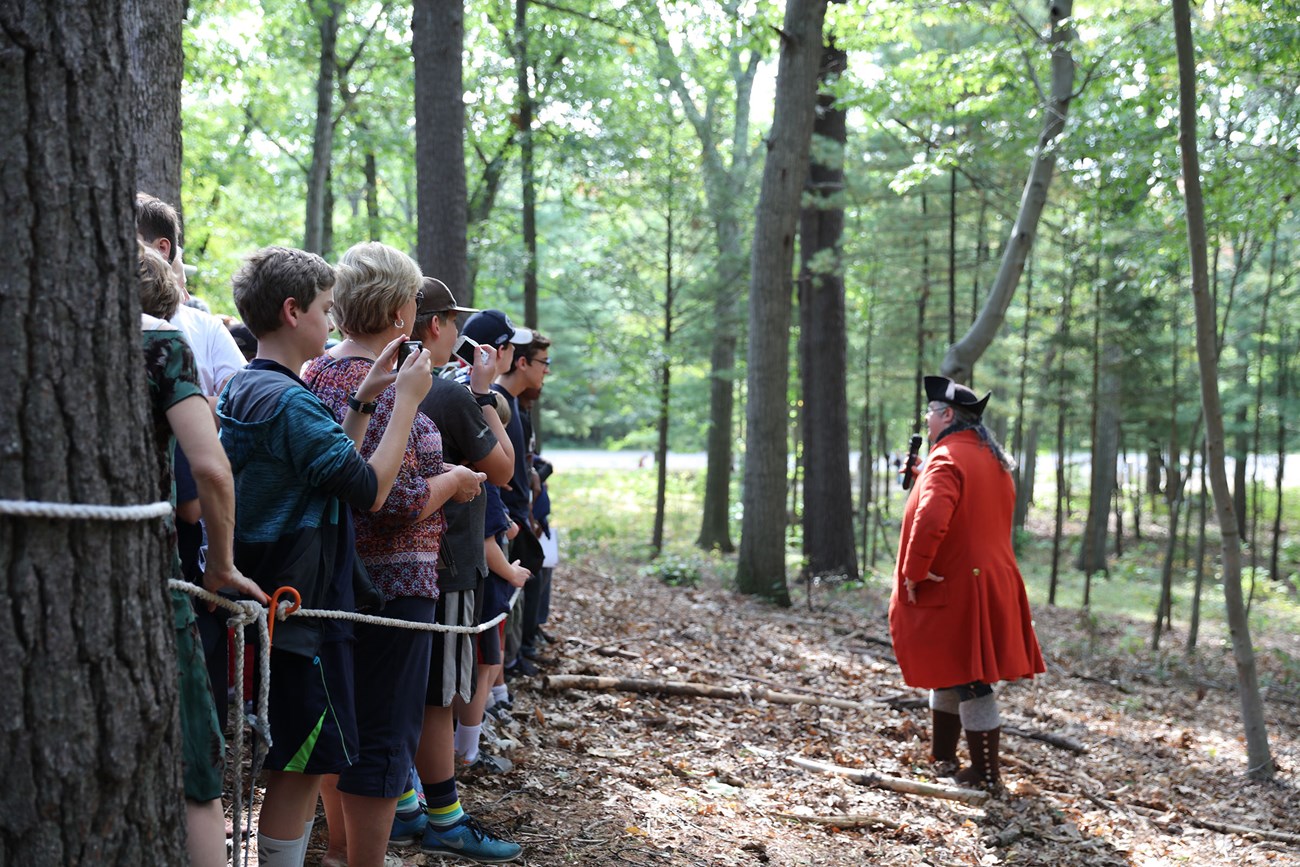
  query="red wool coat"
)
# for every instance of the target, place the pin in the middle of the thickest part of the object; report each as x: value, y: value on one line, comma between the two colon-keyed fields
x: 975, y: 624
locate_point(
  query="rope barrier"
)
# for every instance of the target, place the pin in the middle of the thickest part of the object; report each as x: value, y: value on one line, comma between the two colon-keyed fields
x: 248, y: 613
x: 83, y: 511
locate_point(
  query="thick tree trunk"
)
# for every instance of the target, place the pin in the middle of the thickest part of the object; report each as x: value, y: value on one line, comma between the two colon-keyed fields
x: 828, y: 494
x: 437, y: 37
x: 157, y: 68
x: 963, y: 354
x: 89, y: 736
x: 322, y: 149
x: 527, y: 179
x: 1259, y: 760
x: 760, y: 568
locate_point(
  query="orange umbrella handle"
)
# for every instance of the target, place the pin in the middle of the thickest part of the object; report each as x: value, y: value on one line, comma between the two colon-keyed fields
x: 275, y: 602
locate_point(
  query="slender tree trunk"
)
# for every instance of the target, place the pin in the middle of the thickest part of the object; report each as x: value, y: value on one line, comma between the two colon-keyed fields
x: 760, y: 567
x: 1259, y: 759
x: 528, y: 180
x: 828, y: 495
x: 1194, y: 629
x: 437, y: 42
x: 952, y: 255
x: 374, y: 226
x: 665, y: 367
x: 481, y: 203
x: 963, y: 354
x: 322, y: 148
x: 1024, y: 480
x: 1062, y: 403
x: 1164, y: 606
x: 88, y: 713
x: 156, y: 65
x: 922, y: 302
x: 1256, y: 443
x: 1283, y: 376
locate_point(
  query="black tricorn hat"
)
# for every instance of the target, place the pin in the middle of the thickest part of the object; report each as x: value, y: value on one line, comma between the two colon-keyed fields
x: 944, y: 390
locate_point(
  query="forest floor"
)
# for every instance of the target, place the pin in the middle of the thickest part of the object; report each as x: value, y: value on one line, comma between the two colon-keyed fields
x: 633, y: 778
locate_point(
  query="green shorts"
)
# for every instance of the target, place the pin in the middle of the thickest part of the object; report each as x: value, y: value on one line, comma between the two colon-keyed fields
x: 203, y: 750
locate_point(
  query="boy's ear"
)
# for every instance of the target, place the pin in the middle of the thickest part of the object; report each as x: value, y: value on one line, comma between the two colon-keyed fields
x: 289, y: 312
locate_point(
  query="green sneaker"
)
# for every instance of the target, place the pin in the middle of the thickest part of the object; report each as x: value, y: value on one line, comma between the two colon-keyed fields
x: 470, y: 840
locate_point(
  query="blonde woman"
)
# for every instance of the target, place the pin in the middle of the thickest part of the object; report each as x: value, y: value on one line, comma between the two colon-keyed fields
x: 376, y: 295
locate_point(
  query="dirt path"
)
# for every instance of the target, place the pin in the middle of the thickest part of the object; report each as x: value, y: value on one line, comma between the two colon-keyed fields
x: 623, y: 778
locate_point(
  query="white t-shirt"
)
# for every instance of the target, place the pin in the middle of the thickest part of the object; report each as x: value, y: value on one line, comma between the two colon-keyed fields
x: 215, y: 352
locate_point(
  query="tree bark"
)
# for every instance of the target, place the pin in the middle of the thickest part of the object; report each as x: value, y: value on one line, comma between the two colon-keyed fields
x: 322, y: 149
x: 829, y: 547
x: 1259, y: 760
x: 156, y: 61
x: 1105, y: 452
x: 760, y: 567
x: 88, y: 714
x: 963, y: 354
x: 437, y: 38
x: 527, y: 178
x: 665, y: 368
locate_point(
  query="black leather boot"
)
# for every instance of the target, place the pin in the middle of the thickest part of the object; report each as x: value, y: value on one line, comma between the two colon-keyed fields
x: 983, y: 770
x: 945, y: 731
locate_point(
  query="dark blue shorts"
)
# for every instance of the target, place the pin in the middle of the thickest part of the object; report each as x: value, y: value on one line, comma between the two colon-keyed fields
x: 392, y: 671
x: 312, y: 709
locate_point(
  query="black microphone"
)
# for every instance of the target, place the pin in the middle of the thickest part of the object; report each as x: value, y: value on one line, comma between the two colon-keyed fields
x: 913, y: 448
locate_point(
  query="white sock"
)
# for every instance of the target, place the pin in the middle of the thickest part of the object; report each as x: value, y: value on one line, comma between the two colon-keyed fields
x: 305, y: 840
x: 466, y: 740
x: 278, y: 853
x: 500, y: 693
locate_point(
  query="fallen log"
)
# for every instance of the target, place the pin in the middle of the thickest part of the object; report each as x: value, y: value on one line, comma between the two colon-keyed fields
x: 699, y: 690
x: 848, y: 820
x: 1061, y: 742
x: 974, y: 797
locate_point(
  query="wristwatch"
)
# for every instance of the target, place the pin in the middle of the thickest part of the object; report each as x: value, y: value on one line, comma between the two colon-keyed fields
x: 363, y: 408
x: 488, y: 399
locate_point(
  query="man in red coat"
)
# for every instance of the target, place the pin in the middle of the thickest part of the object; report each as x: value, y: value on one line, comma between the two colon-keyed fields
x: 959, y: 616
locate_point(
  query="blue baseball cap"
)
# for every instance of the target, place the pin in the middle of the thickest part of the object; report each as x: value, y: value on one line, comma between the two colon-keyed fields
x: 495, y: 329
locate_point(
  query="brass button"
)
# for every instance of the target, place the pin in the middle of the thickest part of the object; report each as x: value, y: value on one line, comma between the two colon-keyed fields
x: 975, y: 572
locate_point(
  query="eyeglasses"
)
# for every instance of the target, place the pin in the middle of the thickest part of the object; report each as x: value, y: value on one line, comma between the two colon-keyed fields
x: 545, y: 361
x: 419, y: 296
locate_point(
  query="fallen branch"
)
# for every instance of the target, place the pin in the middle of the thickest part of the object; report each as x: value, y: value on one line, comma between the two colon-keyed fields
x: 1061, y: 742
x: 1244, y: 831
x: 604, y: 649
x: 1165, y: 817
x: 848, y: 820
x: 974, y: 797
x: 699, y: 690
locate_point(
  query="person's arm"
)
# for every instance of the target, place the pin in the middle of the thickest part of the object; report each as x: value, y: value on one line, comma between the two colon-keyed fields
x: 459, y: 483
x: 498, y: 464
x: 514, y: 574
x: 191, y: 422
x: 381, y: 375
x: 413, y: 382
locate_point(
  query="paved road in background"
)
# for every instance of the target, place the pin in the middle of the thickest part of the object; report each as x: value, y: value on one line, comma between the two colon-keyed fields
x: 596, y: 459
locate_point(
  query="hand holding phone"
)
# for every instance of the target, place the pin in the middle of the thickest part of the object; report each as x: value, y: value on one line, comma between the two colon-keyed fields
x: 464, y: 349
x: 404, y: 351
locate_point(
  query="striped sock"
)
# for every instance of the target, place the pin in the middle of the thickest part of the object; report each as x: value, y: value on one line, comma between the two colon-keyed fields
x: 408, y: 806
x: 443, y: 804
